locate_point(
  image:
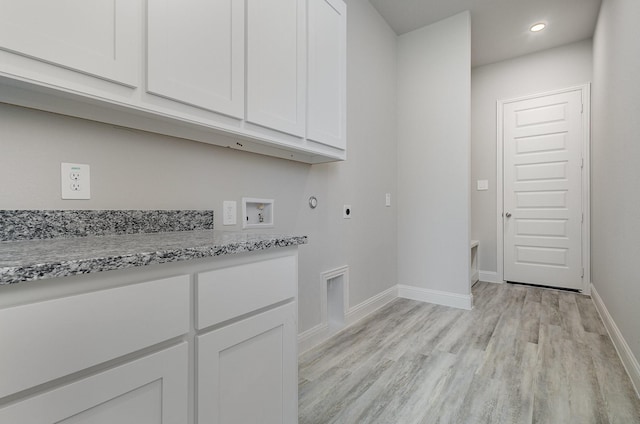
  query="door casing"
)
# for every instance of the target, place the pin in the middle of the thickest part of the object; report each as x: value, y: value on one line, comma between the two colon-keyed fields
x: 586, y: 171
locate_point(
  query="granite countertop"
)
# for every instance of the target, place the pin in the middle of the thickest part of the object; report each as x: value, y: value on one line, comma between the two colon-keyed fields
x: 50, y: 257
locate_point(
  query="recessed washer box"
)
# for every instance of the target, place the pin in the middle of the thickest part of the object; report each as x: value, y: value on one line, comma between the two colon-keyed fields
x: 257, y: 213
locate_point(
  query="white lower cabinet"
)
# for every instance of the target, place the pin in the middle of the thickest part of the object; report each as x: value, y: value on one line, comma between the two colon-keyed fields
x: 149, y: 390
x: 247, y: 370
x: 205, y: 343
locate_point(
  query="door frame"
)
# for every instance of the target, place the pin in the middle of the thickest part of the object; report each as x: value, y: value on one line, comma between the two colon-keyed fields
x: 586, y: 187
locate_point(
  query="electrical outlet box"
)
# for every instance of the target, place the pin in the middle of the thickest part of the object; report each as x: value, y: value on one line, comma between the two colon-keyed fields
x: 257, y: 213
x: 229, y: 212
x: 347, y: 211
x: 75, y: 181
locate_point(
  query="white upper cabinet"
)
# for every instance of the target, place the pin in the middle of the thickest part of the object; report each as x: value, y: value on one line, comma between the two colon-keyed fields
x: 98, y: 38
x: 195, y: 53
x: 276, y: 65
x: 326, y: 102
x: 264, y: 76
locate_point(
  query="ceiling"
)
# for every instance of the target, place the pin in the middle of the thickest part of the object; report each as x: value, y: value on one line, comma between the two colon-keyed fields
x: 499, y: 28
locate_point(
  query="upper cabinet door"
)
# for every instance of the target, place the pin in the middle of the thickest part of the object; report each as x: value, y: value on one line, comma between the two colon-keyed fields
x: 326, y: 103
x: 98, y: 38
x: 276, y: 65
x: 195, y: 53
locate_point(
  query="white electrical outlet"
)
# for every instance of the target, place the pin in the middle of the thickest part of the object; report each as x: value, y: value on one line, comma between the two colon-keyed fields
x: 75, y: 181
x: 387, y: 199
x: 229, y: 212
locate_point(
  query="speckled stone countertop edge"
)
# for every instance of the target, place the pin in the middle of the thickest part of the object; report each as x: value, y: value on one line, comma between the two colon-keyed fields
x: 46, y: 269
x: 16, y: 225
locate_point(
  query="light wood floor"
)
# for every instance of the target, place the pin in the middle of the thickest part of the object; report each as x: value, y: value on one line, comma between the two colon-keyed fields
x: 522, y: 355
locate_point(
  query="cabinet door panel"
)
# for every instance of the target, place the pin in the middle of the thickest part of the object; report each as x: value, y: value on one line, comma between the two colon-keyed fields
x: 326, y: 115
x: 275, y: 64
x: 247, y: 371
x: 150, y: 390
x: 195, y: 53
x: 100, y: 37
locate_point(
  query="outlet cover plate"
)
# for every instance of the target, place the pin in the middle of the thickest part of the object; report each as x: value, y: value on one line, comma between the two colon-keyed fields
x: 346, y: 211
x: 482, y: 185
x: 229, y: 212
x: 75, y: 181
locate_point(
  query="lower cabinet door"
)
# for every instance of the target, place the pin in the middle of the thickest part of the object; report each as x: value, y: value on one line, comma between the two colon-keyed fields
x: 149, y: 390
x: 247, y: 371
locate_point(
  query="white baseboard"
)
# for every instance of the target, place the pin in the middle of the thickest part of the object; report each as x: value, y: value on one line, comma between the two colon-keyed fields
x: 489, y: 276
x: 322, y: 332
x: 313, y: 337
x: 370, y: 305
x: 454, y: 300
x: 627, y: 357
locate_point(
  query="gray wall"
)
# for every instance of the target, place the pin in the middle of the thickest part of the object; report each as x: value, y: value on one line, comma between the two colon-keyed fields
x: 562, y: 67
x: 434, y: 65
x: 137, y: 170
x: 615, y: 176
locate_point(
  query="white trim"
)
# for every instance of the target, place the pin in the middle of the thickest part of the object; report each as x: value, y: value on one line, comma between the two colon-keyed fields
x: 313, y: 337
x: 499, y: 192
x: 325, y: 277
x: 322, y: 332
x: 454, y: 300
x: 629, y: 361
x: 586, y: 189
x: 585, y: 89
x: 370, y: 305
x: 489, y: 277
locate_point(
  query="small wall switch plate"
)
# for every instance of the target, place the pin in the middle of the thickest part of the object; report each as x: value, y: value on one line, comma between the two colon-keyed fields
x: 75, y: 181
x: 346, y: 211
x: 483, y: 185
x: 229, y: 212
x: 387, y: 199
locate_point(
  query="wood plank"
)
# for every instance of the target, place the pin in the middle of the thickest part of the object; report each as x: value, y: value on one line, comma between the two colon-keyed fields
x: 522, y: 355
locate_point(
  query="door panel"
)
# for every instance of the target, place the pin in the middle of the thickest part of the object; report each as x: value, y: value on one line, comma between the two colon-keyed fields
x: 99, y: 38
x: 247, y: 370
x: 327, y: 73
x: 195, y: 53
x: 542, y: 187
x: 275, y: 65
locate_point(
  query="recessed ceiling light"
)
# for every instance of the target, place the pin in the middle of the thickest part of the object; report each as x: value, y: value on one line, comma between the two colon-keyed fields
x: 537, y: 27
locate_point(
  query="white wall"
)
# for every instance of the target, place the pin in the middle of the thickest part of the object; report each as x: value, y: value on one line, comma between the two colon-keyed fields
x: 367, y: 241
x: 615, y: 176
x: 434, y: 156
x: 137, y: 170
x: 565, y: 66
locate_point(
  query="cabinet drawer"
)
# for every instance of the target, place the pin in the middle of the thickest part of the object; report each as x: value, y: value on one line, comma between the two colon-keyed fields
x: 149, y: 390
x: 50, y: 339
x: 230, y: 292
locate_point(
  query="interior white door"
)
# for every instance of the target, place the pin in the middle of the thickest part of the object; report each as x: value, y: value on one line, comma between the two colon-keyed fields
x: 542, y: 190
